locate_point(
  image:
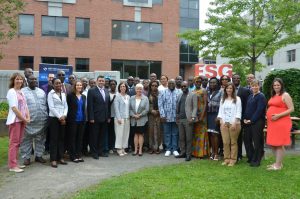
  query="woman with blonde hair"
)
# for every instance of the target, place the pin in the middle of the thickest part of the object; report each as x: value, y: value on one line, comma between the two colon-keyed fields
x: 18, y: 117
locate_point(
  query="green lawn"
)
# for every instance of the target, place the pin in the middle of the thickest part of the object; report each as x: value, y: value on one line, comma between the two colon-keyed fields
x: 3, y: 150
x: 203, y: 179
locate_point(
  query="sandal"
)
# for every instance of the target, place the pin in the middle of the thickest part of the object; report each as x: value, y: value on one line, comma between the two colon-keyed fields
x: 216, y: 158
x: 274, y: 168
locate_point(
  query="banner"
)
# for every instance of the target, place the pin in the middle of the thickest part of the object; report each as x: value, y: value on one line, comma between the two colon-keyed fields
x: 213, y: 70
x: 45, y: 69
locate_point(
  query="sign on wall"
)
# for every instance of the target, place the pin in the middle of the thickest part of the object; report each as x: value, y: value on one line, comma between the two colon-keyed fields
x: 213, y: 70
x: 45, y: 69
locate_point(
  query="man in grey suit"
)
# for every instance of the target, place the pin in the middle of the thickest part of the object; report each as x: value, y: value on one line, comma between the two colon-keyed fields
x: 186, y: 113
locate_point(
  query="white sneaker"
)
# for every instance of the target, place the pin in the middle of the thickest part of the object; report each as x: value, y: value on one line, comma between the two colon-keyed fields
x: 175, y: 153
x: 16, y: 170
x: 168, y: 153
x: 22, y: 166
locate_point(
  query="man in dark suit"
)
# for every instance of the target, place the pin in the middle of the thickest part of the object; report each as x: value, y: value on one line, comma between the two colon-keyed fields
x: 131, y: 87
x: 243, y: 93
x: 65, y: 87
x: 98, y: 115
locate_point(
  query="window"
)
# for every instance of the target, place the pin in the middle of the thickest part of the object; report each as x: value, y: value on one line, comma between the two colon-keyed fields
x: 141, y: 69
x: 55, y: 60
x: 26, y: 24
x: 82, y: 64
x: 146, y: 32
x: 158, y: 2
x: 138, y: 3
x: 26, y: 62
x: 291, y: 55
x: 82, y: 27
x: 187, y: 53
x: 270, y: 61
x: 55, y: 26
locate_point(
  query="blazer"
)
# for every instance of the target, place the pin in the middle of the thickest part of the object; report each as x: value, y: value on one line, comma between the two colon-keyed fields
x: 121, y: 110
x: 143, y: 109
x: 243, y: 93
x: 98, y: 109
x: 73, y: 107
x: 191, y: 103
x: 58, y: 107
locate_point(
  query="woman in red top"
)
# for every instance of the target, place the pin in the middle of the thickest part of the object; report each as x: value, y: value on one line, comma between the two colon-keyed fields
x: 279, y: 122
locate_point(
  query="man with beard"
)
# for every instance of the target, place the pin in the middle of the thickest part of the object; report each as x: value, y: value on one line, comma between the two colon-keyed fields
x: 35, y: 130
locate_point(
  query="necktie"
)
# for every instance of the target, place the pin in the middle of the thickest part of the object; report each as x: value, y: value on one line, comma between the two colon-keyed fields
x: 102, y: 93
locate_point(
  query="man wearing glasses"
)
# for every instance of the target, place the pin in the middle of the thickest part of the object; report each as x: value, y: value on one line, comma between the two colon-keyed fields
x: 65, y: 87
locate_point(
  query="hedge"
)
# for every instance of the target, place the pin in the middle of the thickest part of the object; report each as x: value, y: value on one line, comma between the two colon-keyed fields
x: 291, y: 80
x: 3, y: 110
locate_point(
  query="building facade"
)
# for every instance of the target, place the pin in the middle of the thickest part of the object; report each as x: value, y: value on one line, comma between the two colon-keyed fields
x: 135, y: 37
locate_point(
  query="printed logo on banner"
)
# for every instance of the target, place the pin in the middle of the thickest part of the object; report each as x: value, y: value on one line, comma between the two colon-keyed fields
x: 45, y: 69
x: 213, y: 70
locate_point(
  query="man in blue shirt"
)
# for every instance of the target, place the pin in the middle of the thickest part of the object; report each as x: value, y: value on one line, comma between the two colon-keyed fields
x: 167, y: 109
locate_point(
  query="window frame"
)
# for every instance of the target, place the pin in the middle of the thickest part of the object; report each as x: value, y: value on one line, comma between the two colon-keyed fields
x: 19, y: 33
x: 55, y: 26
x: 89, y: 29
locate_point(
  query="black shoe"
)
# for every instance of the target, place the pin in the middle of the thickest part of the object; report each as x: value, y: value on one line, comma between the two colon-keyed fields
x: 75, y: 161
x: 40, y: 160
x: 26, y: 162
x: 188, y: 158
x: 80, y: 160
x: 181, y: 156
x: 255, y: 164
x: 104, y: 155
x: 62, y: 162
x: 95, y: 157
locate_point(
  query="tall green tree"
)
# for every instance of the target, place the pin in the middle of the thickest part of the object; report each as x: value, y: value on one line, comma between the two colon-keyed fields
x: 246, y: 29
x: 9, y: 10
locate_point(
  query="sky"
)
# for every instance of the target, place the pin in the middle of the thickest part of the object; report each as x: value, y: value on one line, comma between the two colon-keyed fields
x: 204, y: 5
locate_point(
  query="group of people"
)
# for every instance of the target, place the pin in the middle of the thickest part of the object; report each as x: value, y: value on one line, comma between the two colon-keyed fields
x: 201, y: 118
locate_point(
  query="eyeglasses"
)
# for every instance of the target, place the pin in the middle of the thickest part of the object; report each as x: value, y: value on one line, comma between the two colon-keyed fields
x: 225, y: 79
x: 61, y: 75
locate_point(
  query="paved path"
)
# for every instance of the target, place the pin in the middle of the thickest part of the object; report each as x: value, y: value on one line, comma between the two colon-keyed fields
x: 43, y: 181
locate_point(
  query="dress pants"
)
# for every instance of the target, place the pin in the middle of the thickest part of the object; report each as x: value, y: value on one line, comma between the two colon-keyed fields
x: 240, y: 142
x: 96, y: 138
x: 254, y: 140
x: 85, y: 138
x: 16, y: 132
x: 75, y: 139
x: 154, y: 132
x: 230, y: 137
x: 57, y: 136
x: 111, y: 134
x: 122, y: 133
x: 185, y: 136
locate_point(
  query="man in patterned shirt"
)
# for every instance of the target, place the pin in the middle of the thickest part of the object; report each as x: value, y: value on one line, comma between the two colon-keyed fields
x: 35, y: 130
x: 167, y: 109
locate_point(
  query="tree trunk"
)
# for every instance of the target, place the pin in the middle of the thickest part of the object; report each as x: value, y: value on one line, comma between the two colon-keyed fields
x: 253, y: 65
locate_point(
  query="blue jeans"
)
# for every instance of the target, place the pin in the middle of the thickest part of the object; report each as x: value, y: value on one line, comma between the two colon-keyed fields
x: 171, y: 136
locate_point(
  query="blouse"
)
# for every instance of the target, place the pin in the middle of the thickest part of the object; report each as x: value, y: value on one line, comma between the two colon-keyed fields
x: 15, y: 99
x: 230, y: 111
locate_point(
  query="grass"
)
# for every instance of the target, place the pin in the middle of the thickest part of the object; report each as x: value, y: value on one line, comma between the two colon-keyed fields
x: 203, y: 179
x: 3, y: 150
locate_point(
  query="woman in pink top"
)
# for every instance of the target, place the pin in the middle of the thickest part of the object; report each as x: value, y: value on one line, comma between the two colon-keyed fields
x: 18, y: 117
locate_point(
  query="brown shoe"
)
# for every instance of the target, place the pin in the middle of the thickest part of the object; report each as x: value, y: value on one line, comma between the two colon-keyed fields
x: 26, y: 162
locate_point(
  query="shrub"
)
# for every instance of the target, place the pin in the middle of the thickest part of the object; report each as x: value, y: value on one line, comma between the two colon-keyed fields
x: 291, y: 80
x: 3, y: 110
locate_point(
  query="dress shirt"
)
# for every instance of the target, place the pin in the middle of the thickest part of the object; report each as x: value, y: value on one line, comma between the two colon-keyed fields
x: 167, y: 104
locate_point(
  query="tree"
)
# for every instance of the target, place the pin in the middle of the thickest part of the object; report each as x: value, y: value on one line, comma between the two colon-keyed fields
x: 9, y: 10
x: 244, y: 30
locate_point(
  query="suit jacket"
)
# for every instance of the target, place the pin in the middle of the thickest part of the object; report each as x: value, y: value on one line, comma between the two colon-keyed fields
x: 143, y: 109
x: 98, y: 109
x: 131, y: 91
x: 68, y: 88
x: 121, y: 110
x: 191, y: 103
x: 243, y: 93
x: 72, y: 105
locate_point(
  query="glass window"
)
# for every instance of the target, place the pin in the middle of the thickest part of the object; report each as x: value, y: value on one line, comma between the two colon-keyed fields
x: 291, y: 55
x: 193, y: 58
x: 26, y: 24
x: 82, y: 64
x: 127, y: 30
x: 189, y: 23
x: 55, y: 26
x: 26, y: 62
x: 194, y: 4
x: 184, y: 4
x: 184, y: 57
x: 55, y: 60
x: 116, y: 29
x: 138, y: 1
x: 155, y: 32
x: 129, y: 68
x: 117, y: 65
x: 184, y: 12
x: 143, y: 69
x: 155, y: 67
x: 184, y: 48
x: 82, y: 27
x: 193, y: 13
